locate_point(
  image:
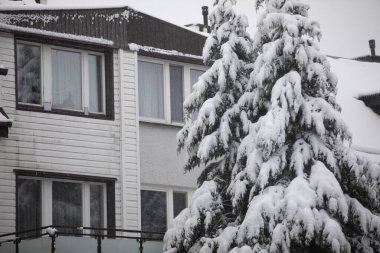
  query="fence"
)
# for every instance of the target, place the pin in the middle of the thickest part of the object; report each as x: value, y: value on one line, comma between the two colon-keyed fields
x: 64, y: 239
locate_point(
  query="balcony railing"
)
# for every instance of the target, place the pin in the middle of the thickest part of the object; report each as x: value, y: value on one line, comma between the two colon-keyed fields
x: 64, y: 239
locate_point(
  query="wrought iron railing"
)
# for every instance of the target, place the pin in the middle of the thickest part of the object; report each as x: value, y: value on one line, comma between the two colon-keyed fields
x: 52, y: 233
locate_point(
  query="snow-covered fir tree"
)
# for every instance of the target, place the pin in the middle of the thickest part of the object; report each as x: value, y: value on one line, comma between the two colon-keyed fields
x: 228, y: 52
x: 296, y: 185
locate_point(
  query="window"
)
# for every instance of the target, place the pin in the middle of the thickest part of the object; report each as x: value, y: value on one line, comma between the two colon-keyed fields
x: 45, y: 201
x: 151, y: 90
x: 29, y: 204
x: 179, y: 202
x: 160, y: 207
x: 194, y: 76
x: 57, y: 79
x: 153, y: 211
x: 29, y: 74
x: 163, y: 86
x: 176, y: 93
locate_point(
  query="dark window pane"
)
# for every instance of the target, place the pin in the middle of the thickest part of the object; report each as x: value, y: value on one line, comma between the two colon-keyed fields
x: 176, y: 93
x: 67, y: 79
x: 151, y: 90
x: 67, y: 205
x: 28, y: 205
x: 179, y: 202
x: 29, y: 74
x: 95, y: 80
x: 96, y: 207
x: 153, y: 211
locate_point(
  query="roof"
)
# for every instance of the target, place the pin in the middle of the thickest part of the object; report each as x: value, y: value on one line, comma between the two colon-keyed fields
x: 368, y: 58
x: 4, y: 119
x: 356, y: 78
x: 121, y: 25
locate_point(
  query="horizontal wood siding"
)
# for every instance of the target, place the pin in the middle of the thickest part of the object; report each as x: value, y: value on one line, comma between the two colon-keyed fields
x: 65, y: 144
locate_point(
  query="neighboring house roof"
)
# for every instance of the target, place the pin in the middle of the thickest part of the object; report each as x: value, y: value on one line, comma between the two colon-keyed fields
x: 120, y: 25
x: 368, y: 58
x: 355, y: 79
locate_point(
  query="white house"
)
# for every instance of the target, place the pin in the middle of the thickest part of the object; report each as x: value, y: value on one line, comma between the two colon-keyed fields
x: 95, y: 101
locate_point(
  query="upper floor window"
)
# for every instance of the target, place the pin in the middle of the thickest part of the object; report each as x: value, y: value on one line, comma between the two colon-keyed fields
x: 55, y: 78
x: 163, y: 87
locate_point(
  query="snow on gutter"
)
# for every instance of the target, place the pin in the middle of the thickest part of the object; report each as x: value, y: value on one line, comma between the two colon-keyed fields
x: 136, y: 47
x: 80, y: 38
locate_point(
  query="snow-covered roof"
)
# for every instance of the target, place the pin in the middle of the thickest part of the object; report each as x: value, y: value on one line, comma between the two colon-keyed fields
x: 67, y: 36
x: 136, y: 47
x: 4, y: 120
x: 357, y: 78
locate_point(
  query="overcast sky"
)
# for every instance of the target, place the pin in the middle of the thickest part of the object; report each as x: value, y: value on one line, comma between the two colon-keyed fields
x: 347, y: 25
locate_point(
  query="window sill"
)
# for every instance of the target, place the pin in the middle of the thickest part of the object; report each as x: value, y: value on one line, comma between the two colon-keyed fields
x: 62, y: 112
x: 160, y: 122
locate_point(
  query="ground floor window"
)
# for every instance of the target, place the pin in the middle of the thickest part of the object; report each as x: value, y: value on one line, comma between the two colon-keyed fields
x: 160, y: 207
x: 61, y: 202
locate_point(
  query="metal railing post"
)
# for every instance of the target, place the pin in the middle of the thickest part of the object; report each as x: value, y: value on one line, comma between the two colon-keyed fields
x: 99, y: 239
x: 52, y: 250
x: 17, y: 242
x: 141, y: 242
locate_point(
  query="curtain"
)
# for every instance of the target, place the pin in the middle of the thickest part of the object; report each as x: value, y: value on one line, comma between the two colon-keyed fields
x: 176, y: 93
x: 67, y: 204
x: 151, y: 90
x: 95, y: 79
x: 29, y: 205
x: 96, y: 207
x: 29, y: 74
x: 67, y: 80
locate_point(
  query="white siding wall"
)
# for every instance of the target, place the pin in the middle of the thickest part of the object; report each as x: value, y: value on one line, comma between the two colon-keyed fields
x: 68, y: 144
x: 130, y: 128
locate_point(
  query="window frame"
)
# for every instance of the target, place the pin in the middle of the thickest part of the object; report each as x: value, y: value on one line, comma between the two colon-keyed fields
x: 47, y: 199
x: 46, y: 45
x: 109, y: 194
x: 169, y: 199
x: 186, y: 87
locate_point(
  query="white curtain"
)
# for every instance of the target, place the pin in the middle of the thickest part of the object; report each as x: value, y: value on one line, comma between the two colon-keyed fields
x: 176, y: 93
x: 67, y: 80
x: 151, y: 90
x: 95, y: 79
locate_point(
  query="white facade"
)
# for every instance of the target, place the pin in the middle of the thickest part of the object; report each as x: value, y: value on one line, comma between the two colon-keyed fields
x: 139, y: 153
x: 42, y: 141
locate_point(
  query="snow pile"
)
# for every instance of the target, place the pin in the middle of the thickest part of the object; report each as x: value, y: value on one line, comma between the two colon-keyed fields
x: 4, y: 119
x: 136, y: 47
x: 26, y: 18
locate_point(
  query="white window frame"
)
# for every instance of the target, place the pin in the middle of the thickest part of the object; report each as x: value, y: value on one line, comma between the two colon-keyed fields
x: 186, y: 88
x: 169, y: 199
x: 47, y: 199
x: 47, y: 83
